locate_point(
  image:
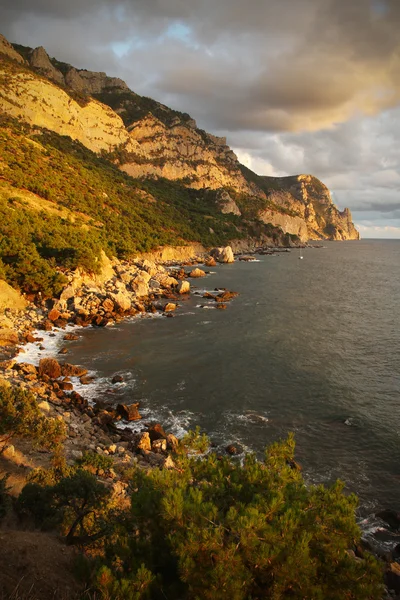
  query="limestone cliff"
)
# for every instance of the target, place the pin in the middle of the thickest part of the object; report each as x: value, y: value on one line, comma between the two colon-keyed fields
x: 149, y: 140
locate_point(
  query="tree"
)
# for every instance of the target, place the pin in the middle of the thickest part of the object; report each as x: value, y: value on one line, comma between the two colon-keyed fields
x: 216, y: 529
x: 20, y: 416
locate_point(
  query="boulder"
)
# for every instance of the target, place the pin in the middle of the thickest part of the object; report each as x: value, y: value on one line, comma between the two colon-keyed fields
x: 143, y: 442
x: 121, y: 300
x: 156, y: 432
x: 129, y: 412
x: 50, y: 367
x: 166, y: 281
x: 183, y: 287
x: 54, y: 314
x: 159, y: 445
x: 392, y: 577
x: 44, y: 406
x: 172, y: 442
x: 210, y: 262
x: 197, y: 273
x: 69, y: 370
x: 223, y: 254
x: 150, y: 267
x: 8, y: 337
x: 233, y: 449
x: 169, y: 307
x: 70, y: 337
x: 117, y: 379
x: 140, y: 285
x: 108, y: 305
x: 391, y: 517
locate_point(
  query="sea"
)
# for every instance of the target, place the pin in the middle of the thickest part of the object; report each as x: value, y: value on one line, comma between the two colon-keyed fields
x: 309, y: 346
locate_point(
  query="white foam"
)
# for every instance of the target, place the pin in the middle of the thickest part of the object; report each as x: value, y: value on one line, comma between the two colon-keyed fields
x: 52, y: 342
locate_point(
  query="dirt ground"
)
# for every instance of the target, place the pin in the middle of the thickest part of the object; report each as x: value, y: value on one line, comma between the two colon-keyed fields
x: 36, y: 566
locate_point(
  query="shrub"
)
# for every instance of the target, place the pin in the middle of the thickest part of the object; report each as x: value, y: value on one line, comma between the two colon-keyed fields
x: 215, y: 529
x: 21, y: 417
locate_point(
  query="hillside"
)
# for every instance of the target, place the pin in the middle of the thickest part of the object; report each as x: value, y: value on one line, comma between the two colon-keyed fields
x: 88, y: 165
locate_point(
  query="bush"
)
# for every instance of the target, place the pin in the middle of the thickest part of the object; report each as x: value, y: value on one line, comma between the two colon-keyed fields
x: 216, y: 529
x: 21, y: 417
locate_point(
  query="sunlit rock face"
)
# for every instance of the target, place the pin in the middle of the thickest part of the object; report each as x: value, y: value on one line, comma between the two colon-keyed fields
x: 149, y: 140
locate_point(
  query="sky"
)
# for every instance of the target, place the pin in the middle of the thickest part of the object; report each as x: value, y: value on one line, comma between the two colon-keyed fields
x: 296, y: 86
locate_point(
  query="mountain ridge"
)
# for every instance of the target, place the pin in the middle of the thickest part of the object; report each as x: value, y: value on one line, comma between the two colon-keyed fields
x: 180, y: 184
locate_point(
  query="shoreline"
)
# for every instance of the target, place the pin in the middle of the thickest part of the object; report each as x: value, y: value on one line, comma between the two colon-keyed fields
x: 88, y: 425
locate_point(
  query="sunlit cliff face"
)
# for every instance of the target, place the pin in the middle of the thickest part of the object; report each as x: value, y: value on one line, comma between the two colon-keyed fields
x: 298, y: 86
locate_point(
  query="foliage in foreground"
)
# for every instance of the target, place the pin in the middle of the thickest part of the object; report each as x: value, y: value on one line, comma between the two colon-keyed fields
x: 20, y: 416
x: 214, y: 529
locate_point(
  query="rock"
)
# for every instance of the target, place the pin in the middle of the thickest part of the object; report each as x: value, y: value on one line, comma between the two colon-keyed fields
x: 44, y: 406
x: 143, y: 442
x: 50, y: 367
x: 39, y: 59
x: 156, y: 432
x: 197, y: 273
x: 183, y: 287
x: 168, y: 463
x: 159, y: 445
x: 66, y: 386
x: 69, y: 370
x: 226, y: 296
x: 167, y: 282
x: 247, y: 258
x: 70, y: 337
x: 172, y: 442
x: 392, y: 577
x: 77, y: 454
x: 108, y: 305
x: 86, y: 379
x: 169, y: 307
x: 47, y: 325
x: 8, y: 337
x: 223, y: 254
x: 117, y: 379
x: 112, y: 449
x: 28, y: 368
x: 129, y: 412
x: 30, y: 339
x: 8, y: 452
x: 54, y: 314
x: 140, y: 285
x: 391, y: 517
x: 210, y: 262
x: 221, y: 306
x: 63, y: 351
x: 121, y: 300
x: 233, y: 449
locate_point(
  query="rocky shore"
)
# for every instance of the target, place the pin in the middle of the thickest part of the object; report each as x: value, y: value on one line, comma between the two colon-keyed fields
x: 119, y: 290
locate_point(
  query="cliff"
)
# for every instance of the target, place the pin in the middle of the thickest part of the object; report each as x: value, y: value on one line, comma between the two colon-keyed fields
x: 149, y: 140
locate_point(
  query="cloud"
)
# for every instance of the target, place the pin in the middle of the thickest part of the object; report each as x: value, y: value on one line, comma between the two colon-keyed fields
x: 297, y: 86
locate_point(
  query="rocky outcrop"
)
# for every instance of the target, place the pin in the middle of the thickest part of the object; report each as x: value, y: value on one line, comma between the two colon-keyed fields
x: 223, y: 255
x: 39, y: 102
x: 7, y: 49
x: 91, y: 82
x: 179, y: 152
x: 10, y: 298
x: 226, y: 204
x: 153, y: 141
x: 39, y: 59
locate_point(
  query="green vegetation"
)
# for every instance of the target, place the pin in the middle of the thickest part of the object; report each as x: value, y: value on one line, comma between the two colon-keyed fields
x: 136, y: 107
x: 212, y: 528
x: 107, y: 209
x: 20, y: 416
